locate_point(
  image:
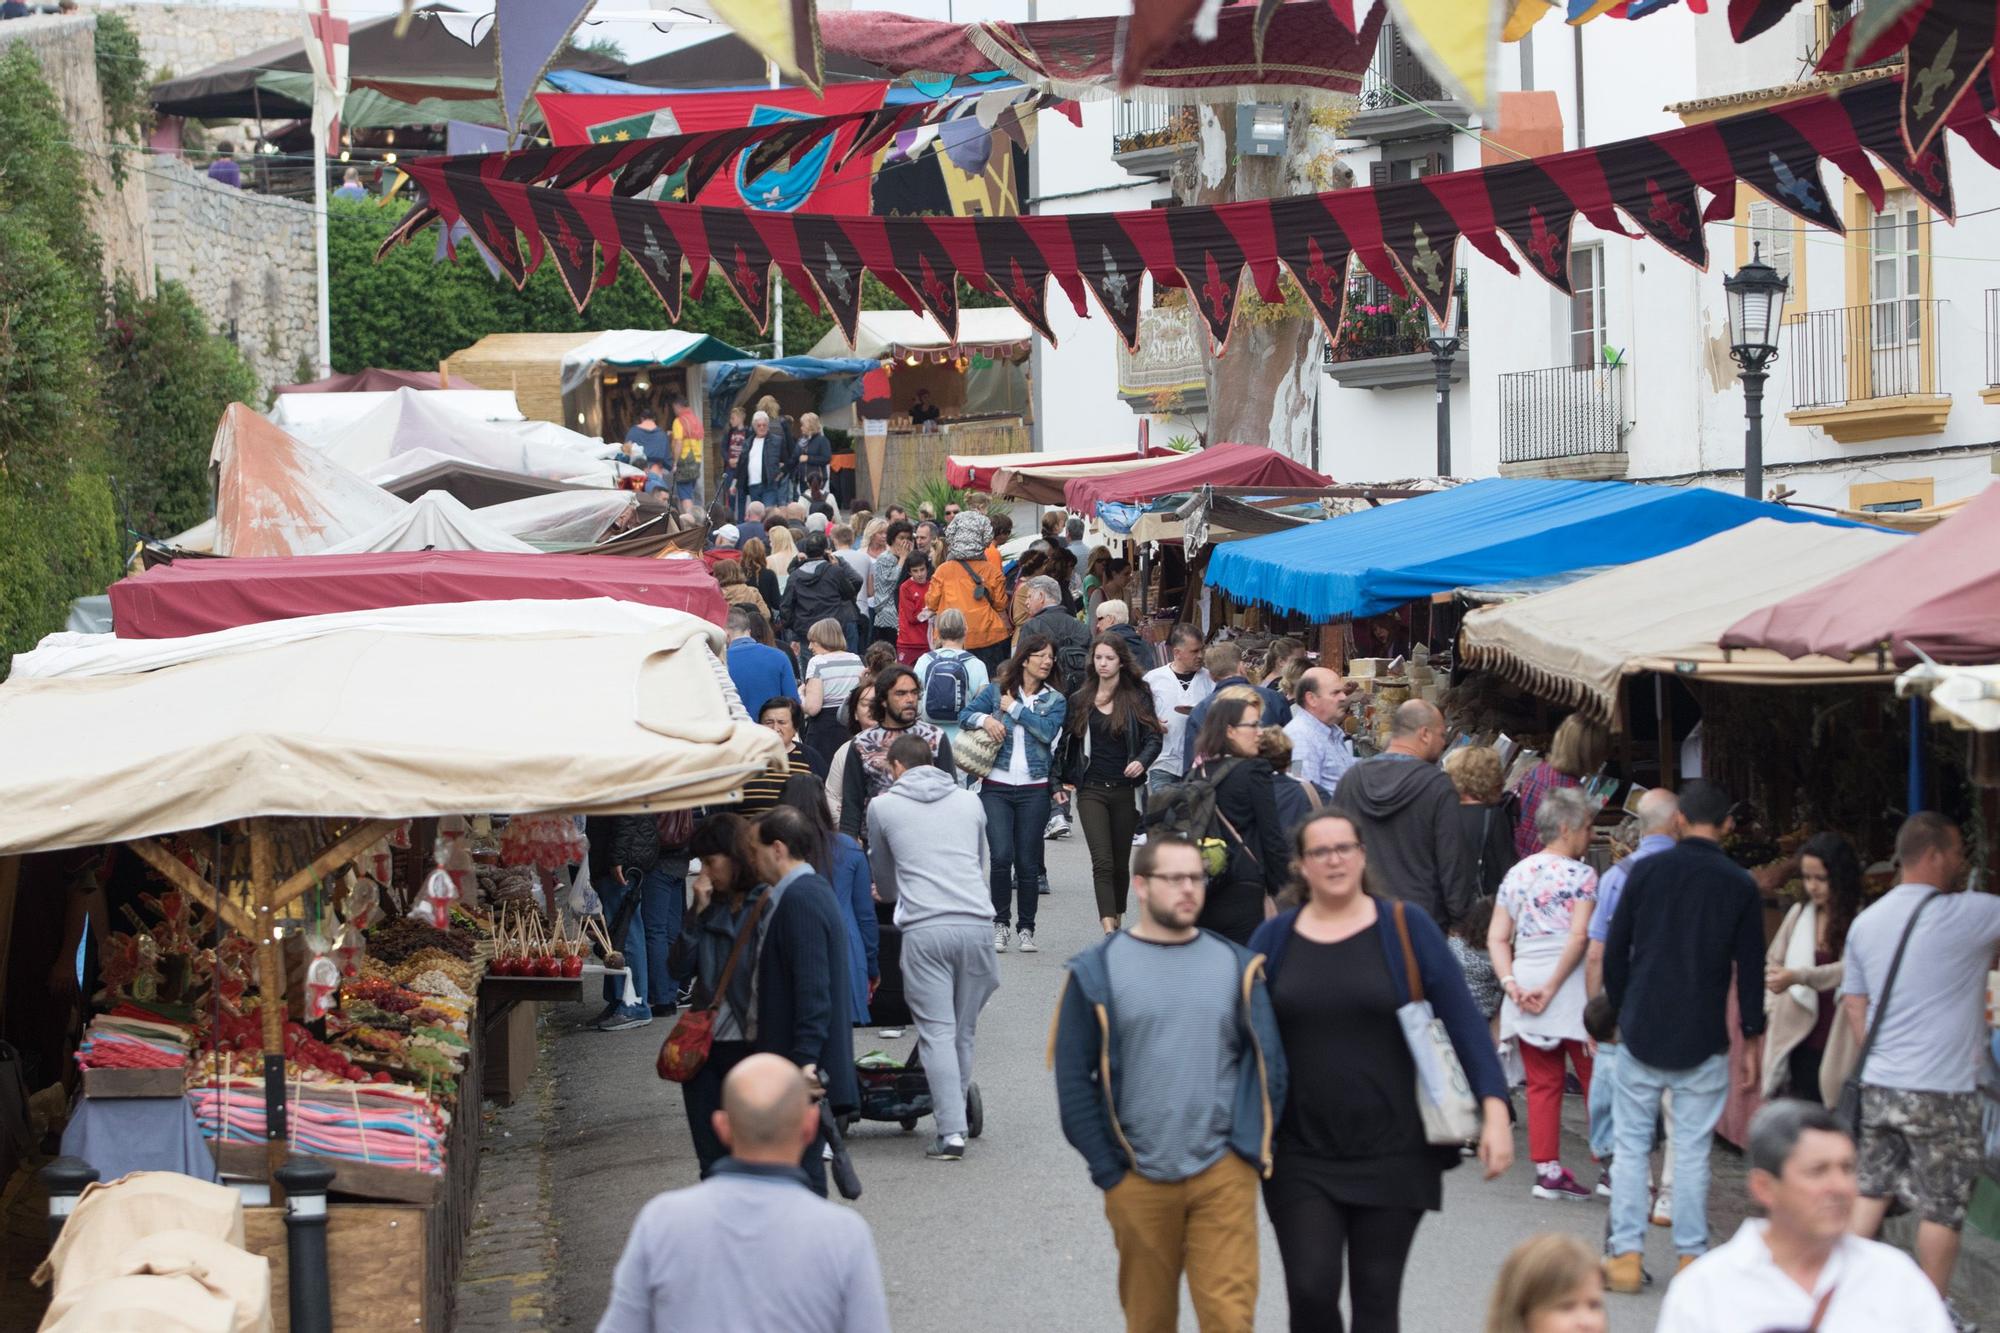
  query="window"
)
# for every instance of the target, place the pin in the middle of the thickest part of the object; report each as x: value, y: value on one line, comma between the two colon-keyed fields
x: 1895, y: 273
x: 1586, y: 308
x: 1410, y: 161
x: 1771, y: 236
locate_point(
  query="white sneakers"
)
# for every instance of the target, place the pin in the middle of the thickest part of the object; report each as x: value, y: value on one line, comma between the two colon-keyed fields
x: 999, y: 938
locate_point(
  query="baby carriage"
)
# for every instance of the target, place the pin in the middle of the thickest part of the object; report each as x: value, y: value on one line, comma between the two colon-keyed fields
x: 891, y: 1091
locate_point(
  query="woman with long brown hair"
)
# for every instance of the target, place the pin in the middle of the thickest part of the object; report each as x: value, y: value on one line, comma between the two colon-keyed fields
x: 757, y: 572
x: 736, y: 589
x: 1114, y: 739
x: 1808, y: 1051
x: 1246, y: 808
x: 1353, y: 1172
x: 1022, y: 708
x: 722, y: 896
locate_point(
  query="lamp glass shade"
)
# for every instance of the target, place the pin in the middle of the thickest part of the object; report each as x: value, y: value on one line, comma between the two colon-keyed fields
x: 1756, y: 295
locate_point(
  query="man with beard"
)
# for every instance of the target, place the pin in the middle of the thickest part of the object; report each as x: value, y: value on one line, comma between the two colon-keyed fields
x: 898, y: 697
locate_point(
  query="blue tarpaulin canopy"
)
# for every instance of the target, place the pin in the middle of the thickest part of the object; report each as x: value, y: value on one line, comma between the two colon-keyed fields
x: 725, y: 379
x: 1485, y: 532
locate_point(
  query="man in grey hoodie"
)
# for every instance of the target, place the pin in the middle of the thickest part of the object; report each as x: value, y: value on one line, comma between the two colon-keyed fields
x: 927, y: 846
x: 1405, y: 809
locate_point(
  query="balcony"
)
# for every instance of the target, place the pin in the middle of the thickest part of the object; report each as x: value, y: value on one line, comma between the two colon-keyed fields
x: 1384, y: 343
x: 1829, y: 17
x: 1991, y: 393
x: 1147, y: 138
x: 1400, y: 99
x: 1867, y: 372
x: 1166, y: 375
x: 1566, y: 421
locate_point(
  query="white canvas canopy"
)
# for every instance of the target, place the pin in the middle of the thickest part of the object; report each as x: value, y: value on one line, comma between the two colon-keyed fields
x: 411, y: 420
x: 434, y: 521
x: 877, y: 333
x: 1575, y: 644
x: 277, y: 496
x: 561, y: 518
x: 355, y: 719
x: 1966, y: 697
x: 317, y: 417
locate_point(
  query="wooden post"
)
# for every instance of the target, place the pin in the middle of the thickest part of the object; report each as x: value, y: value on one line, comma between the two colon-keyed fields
x: 271, y: 992
x: 1663, y: 707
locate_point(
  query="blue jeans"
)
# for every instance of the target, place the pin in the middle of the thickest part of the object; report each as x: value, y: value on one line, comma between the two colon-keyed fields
x: 1015, y: 818
x: 632, y: 945
x: 663, y: 897
x: 771, y: 496
x: 1603, y: 1088
x: 1698, y: 1098
x: 1158, y: 779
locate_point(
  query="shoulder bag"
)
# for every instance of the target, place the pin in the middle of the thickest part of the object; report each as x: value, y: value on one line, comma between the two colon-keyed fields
x: 686, y: 1048
x: 1848, y: 1111
x: 1444, y: 1094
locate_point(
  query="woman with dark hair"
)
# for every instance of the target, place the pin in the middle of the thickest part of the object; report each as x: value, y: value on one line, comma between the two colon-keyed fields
x: 1022, y: 708
x: 856, y: 715
x: 736, y: 587
x: 1808, y: 1052
x: 758, y: 573
x: 845, y: 866
x: 1033, y: 561
x: 1353, y: 1172
x: 913, y: 620
x: 1062, y: 568
x: 1114, y: 739
x: 1246, y: 809
x: 722, y: 897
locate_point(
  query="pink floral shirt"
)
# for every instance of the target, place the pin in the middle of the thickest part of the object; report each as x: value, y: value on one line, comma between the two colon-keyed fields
x: 1539, y: 892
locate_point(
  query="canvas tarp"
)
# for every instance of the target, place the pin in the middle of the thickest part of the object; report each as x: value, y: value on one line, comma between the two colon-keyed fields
x: 1217, y: 465
x: 1576, y: 643
x: 434, y: 521
x: 201, y: 596
x: 1939, y: 591
x: 276, y: 496
x: 1966, y: 697
x: 561, y: 518
x: 1000, y: 332
x: 1043, y: 484
x: 372, y: 380
x: 318, y: 417
x: 976, y: 471
x: 410, y: 420
x: 636, y: 349
x: 1493, y: 531
x: 363, y: 723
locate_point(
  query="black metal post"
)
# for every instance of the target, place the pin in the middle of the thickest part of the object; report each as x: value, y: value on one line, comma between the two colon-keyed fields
x: 1442, y: 352
x: 66, y: 1177
x: 311, y: 1297
x: 1753, y: 435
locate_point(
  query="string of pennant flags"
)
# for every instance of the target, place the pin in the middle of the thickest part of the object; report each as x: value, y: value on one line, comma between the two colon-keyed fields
x: 582, y: 206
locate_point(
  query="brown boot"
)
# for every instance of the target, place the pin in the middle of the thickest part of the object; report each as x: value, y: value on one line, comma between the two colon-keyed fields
x: 1685, y: 1260
x: 1623, y: 1274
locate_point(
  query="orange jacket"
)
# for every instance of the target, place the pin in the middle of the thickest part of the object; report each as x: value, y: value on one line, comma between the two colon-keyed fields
x: 952, y: 588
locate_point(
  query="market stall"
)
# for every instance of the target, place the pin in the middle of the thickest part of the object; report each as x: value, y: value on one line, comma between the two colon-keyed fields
x: 318, y: 417
x: 1042, y: 482
x: 198, y: 596
x: 593, y: 383
x: 980, y: 472
x: 1240, y: 465
x: 317, y: 914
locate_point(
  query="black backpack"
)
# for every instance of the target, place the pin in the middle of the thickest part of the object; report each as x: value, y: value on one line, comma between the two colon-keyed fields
x: 1187, y: 810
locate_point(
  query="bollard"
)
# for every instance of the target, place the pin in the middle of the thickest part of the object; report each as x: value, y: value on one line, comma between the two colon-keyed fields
x: 310, y: 1296
x: 66, y: 1178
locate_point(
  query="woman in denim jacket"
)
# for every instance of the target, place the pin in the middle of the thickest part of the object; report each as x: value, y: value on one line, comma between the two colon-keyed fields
x: 1023, y: 709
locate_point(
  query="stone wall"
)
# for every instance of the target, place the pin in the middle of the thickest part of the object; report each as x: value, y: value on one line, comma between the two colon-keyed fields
x: 65, y: 46
x: 245, y: 257
x: 180, y: 39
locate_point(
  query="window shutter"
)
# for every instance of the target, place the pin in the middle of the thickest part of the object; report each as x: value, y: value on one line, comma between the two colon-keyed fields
x: 1378, y: 173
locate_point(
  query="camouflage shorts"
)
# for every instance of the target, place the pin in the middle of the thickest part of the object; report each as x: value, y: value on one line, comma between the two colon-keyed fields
x: 1924, y: 1148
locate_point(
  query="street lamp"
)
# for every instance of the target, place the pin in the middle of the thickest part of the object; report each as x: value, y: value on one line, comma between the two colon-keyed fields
x: 1756, y: 302
x: 1442, y: 337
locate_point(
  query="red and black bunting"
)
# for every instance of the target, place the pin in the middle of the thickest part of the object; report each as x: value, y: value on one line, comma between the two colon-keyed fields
x: 1953, y: 43
x: 1748, y: 18
x: 835, y: 265
x: 1406, y: 235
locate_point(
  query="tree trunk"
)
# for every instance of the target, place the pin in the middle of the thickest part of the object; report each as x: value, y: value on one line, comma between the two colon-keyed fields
x: 1262, y: 390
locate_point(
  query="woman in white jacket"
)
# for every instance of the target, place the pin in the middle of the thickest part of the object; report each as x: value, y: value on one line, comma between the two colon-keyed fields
x: 1808, y: 1052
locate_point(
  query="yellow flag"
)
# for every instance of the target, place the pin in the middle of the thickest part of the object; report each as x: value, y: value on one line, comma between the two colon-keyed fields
x: 1527, y: 13
x: 783, y: 31
x: 1459, y: 42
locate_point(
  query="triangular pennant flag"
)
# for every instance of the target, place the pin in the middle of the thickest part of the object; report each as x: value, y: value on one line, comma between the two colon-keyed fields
x: 651, y: 244
x: 531, y: 32
x: 1748, y: 18
x: 1656, y: 192
x: 783, y: 31
x: 1315, y: 249
x: 1018, y: 270
x: 926, y: 268
x: 1878, y: 125
x: 1536, y: 216
x: 834, y: 261
x: 1459, y: 42
x: 472, y: 192
x: 569, y: 240
x: 1950, y: 47
x: 1211, y: 261
x: 742, y: 258
x: 1424, y: 239
x: 1109, y: 263
x: 1776, y: 161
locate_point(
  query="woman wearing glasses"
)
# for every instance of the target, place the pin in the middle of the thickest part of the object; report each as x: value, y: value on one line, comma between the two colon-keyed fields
x: 1253, y: 838
x: 1353, y: 1173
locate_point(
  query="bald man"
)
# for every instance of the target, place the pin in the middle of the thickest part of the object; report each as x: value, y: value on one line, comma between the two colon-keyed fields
x: 1406, y: 811
x: 752, y: 1247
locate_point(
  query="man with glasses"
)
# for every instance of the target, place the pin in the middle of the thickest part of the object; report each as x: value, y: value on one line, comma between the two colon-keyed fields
x: 1800, y: 1270
x: 1321, y: 753
x: 1169, y: 1077
x: 1114, y: 616
x: 950, y: 513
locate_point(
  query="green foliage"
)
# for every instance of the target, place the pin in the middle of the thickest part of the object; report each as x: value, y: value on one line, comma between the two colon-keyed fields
x: 934, y: 491
x: 122, y: 83
x: 49, y: 412
x: 62, y: 543
x: 41, y: 176
x: 167, y: 381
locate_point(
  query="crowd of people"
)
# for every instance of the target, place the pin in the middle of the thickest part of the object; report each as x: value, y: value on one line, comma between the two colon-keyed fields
x: 1273, y: 905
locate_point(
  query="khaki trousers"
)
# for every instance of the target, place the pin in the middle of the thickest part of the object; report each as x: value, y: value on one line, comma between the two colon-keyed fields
x: 1205, y: 1225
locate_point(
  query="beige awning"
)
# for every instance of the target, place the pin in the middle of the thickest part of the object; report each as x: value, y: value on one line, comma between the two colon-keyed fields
x: 1044, y: 485
x: 1575, y: 644
x: 378, y: 723
x: 1966, y: 697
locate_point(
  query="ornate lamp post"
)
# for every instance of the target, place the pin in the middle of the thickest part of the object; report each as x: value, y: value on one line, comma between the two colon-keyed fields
x: 1442, y: 336
x: 1756, y: 303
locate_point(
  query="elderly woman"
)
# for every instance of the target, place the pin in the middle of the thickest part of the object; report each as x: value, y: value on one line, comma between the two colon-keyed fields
x: 1537, y: 940
x: 1488, y: 834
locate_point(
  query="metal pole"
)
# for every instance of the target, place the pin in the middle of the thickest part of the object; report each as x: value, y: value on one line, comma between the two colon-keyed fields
x: 319, y: 250
x: 1753, y: 435
x: 66, y: 1177
x: 1442, y: 352
x: 778, y: 287
x: 310, y: 1297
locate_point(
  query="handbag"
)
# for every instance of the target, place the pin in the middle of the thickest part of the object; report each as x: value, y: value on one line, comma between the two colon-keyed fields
x: 974, y: 751
x: 1848, y: 1110
x: 686, y: 1048
x: 1444, y: 1094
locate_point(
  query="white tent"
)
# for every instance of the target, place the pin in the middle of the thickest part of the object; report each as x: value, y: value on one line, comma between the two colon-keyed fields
x: 317, y: 417
x: 434, y: 521
x: 277, y: 496
x: 995, y: 330
x: 411, y: 420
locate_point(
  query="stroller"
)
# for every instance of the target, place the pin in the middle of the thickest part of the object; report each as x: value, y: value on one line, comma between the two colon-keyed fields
x: 900, y: 1092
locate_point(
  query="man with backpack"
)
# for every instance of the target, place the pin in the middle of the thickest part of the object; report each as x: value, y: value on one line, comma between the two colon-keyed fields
x: 1044, y: 605
x: 949, y: 675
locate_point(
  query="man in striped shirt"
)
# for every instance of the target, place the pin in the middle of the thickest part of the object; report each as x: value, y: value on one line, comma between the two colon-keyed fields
x: 761, y: 793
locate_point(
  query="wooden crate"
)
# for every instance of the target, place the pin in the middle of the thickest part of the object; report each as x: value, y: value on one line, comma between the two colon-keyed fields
x: 378, y: 1257
x: 507, y: 1039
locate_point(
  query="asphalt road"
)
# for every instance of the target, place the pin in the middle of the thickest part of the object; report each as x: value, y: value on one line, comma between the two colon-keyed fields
x: 1014, y: 1236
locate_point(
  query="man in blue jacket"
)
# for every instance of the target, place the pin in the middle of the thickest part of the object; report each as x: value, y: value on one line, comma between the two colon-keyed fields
x: 803, y: 1008
x: 1170, y: 1078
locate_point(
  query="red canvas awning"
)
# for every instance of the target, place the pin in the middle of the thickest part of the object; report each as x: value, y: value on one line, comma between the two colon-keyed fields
x: 1217, y: 465
x: 1940, y: 590
x: 974, y: 472
x: 198, y: 596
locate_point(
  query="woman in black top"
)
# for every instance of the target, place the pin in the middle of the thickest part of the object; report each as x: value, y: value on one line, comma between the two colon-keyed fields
x: 1353, y: 1172
x: 1246, y: 818
x: 1113, y: 739
x: 1484, y: 821
x: 722, y: 896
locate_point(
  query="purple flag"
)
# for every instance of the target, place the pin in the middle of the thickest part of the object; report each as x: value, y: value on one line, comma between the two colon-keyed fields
x: 531, y: 31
